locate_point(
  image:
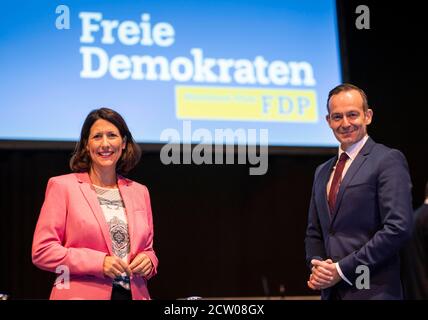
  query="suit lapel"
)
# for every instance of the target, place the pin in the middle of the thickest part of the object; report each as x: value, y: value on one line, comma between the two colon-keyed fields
x: 353, y: 169
x: 324, y: 176
x: 91, y: 197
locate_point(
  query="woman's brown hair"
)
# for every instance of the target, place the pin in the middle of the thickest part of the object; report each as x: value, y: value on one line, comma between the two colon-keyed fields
x: 81, y: 161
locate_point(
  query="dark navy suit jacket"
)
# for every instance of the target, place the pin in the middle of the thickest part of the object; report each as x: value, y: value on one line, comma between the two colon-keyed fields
x: 371, y: 221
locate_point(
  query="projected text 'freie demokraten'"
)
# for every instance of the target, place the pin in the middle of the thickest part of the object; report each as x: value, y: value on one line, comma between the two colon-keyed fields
x: 97, y: 63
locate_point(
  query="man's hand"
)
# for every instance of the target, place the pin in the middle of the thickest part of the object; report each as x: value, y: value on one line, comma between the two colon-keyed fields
x: 324, y: 275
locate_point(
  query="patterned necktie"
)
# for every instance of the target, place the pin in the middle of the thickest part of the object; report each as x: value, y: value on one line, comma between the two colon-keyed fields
x: 335, y: 183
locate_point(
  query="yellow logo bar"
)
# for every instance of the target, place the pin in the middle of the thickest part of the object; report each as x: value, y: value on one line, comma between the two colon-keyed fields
x: 245, y: 104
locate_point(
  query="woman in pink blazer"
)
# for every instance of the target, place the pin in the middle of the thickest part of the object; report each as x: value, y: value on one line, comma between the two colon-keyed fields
x: 95, y: 229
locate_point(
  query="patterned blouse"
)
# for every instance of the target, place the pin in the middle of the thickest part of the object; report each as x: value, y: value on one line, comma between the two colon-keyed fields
x: 114, y: 212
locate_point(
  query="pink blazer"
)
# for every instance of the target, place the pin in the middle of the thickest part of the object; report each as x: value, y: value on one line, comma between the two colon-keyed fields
x: 72, y: 234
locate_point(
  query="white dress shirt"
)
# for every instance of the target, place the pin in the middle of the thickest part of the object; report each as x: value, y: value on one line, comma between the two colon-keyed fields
x: 352, y: 152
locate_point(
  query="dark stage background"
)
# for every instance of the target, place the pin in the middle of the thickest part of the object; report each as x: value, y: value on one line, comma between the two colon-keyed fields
x: 219, y: 231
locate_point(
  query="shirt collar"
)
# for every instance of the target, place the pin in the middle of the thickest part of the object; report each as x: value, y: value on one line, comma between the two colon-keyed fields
x: 353, y: 150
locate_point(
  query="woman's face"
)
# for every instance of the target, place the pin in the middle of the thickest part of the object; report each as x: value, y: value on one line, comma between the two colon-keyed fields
x: 105, y: 145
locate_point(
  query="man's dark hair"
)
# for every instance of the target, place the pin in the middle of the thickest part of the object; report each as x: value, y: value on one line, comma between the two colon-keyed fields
x: 348, y: 87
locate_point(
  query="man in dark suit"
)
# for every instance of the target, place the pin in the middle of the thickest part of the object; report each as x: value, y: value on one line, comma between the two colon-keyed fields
x: 415, y: 256
x: 360, y: 212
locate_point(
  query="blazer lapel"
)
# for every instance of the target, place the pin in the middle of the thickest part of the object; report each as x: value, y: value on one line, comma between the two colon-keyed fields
x: 91, y: 198
x: 126, y: 193
x: 353, y: 169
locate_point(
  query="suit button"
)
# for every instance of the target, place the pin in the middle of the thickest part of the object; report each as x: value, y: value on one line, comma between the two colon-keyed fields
x: 331, y: 232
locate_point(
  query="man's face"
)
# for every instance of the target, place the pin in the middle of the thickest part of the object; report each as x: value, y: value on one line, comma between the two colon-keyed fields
x: 347, y: 118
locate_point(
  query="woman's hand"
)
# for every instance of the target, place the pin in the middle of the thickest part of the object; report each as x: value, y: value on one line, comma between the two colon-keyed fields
x: 141, y: 265
x: 114, y: 267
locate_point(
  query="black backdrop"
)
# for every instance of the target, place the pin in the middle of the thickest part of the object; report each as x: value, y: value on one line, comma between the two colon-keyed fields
x: 218, y: 230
